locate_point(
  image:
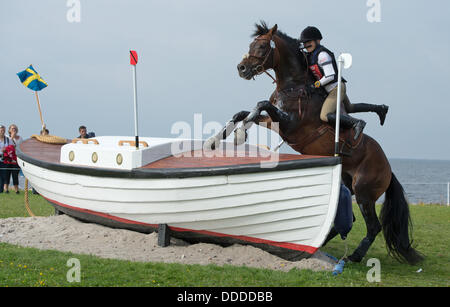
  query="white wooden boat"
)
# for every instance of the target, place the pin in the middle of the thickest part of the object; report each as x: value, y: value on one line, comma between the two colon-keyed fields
x: 285, y: 207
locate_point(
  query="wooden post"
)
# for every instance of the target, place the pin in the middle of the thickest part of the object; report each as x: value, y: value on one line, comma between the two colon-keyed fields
x: 163, y: 235
x: 448, y: 193
x: 57, y: 212
x: 40, y: 112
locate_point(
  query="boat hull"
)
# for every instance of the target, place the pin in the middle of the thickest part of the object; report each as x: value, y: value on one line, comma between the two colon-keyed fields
x: 288, y: 213
x: 287, y: 210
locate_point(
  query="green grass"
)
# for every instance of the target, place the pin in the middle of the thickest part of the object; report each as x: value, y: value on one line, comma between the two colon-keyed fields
x: 32, y: 267
x: 13, y: 205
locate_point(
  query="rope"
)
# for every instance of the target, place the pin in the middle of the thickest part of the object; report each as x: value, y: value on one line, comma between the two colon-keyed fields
x: 27, y: 205
x: 340, y: 263
x: 52, y: 139
x: 346, y: 250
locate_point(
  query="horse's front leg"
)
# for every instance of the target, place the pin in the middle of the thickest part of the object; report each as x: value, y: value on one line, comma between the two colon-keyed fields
x: 286, y: 121
x: 214, y: 141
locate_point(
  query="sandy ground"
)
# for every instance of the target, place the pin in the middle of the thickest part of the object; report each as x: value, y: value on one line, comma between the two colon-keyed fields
x: 67, y: 234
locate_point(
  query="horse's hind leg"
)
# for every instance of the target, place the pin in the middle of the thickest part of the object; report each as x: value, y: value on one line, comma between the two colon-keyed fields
x: 373, y: 228
x: 367, y: 189
x: 370, y: 180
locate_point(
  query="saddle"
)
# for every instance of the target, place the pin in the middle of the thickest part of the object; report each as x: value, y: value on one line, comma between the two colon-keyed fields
x: 292, y: 96
x: 347, y: 142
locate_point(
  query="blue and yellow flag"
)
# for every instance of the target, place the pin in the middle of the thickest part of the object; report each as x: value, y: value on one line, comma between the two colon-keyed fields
x: 31, y: 79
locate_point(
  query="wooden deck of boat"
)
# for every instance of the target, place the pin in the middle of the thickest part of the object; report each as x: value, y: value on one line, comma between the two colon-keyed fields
x: 200, y: 159
x: 50, y: 153
x: 41, y: 151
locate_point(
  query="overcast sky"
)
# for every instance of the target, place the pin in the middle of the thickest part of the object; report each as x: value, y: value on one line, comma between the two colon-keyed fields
x: 188, y: 52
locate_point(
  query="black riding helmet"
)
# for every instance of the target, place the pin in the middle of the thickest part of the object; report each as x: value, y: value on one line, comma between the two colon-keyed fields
x: 310, y: 34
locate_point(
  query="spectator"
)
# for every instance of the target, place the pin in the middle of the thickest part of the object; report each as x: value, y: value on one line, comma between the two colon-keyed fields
x: 84, y: 134
x: 4, y: 141
x: 10, y: 159
x: 15, y: 138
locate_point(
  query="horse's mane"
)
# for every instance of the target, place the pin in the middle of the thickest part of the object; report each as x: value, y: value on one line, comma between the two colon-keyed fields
x: 292, y: 43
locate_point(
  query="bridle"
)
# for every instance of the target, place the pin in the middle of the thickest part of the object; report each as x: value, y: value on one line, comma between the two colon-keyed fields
x: 259, y: 69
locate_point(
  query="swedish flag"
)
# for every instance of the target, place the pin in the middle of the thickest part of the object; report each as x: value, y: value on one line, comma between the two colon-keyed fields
x: 31, y: 79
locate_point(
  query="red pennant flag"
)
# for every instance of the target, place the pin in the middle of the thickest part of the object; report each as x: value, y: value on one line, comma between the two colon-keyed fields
x: 133, y: 57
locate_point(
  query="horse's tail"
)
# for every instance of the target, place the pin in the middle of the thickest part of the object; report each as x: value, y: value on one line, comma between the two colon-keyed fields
x: 396, y: 223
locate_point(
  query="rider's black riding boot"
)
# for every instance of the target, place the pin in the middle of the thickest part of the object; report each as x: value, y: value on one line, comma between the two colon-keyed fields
x: 347, y: 122
x: 381, y: 110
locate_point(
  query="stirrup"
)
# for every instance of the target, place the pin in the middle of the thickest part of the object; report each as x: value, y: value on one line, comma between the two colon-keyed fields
x: 359, y: 131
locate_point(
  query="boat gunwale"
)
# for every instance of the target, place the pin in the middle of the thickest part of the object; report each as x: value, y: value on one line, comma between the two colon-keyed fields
x: 145, y: 173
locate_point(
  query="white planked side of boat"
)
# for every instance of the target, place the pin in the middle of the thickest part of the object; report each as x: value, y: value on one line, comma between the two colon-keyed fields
x: 288, y: 212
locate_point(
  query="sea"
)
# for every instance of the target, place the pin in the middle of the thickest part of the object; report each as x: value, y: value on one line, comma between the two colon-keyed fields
x: 424, y: 181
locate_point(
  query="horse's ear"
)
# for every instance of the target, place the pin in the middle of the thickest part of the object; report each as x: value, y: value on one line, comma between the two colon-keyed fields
x: 274, y: 29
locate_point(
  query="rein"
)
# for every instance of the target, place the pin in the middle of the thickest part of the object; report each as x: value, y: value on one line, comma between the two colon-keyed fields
x: 267, y: 73
x: 307, y: 65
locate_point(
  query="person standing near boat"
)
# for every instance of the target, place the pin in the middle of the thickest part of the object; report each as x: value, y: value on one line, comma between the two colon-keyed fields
x: 4, y: 141
x: 15, y: 138
x: 10, y: 159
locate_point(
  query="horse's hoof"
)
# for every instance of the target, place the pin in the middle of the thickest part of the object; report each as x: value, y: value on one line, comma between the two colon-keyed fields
x: 353, y: 258
x: 240, y: 136
x: 211, y: 144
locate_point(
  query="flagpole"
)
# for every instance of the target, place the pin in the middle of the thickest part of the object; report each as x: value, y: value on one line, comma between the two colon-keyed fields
x: 39, y: 108
x: 135, y: 108
x: 338, y: 108
x: 133, y: 62
x: 345, y: 59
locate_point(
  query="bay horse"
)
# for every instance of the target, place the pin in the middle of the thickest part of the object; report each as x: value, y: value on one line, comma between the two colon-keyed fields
x: 296, y: 106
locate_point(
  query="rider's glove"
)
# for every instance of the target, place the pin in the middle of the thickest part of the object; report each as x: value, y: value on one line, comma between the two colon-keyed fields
x: 317, y: 84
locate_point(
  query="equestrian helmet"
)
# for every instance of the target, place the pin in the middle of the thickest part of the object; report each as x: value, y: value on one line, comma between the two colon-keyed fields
x: 310, y: 34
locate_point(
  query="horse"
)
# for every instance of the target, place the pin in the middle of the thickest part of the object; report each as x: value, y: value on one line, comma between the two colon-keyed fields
x: 295, y: 106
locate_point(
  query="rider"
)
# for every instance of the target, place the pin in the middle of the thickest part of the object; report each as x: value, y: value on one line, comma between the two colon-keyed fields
x: 323, y: 65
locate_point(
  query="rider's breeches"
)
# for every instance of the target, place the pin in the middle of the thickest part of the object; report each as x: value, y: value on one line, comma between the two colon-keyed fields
x: 329, y: 105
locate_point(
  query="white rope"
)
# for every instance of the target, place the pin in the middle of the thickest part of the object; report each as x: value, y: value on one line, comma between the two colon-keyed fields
x: 346, y: 250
